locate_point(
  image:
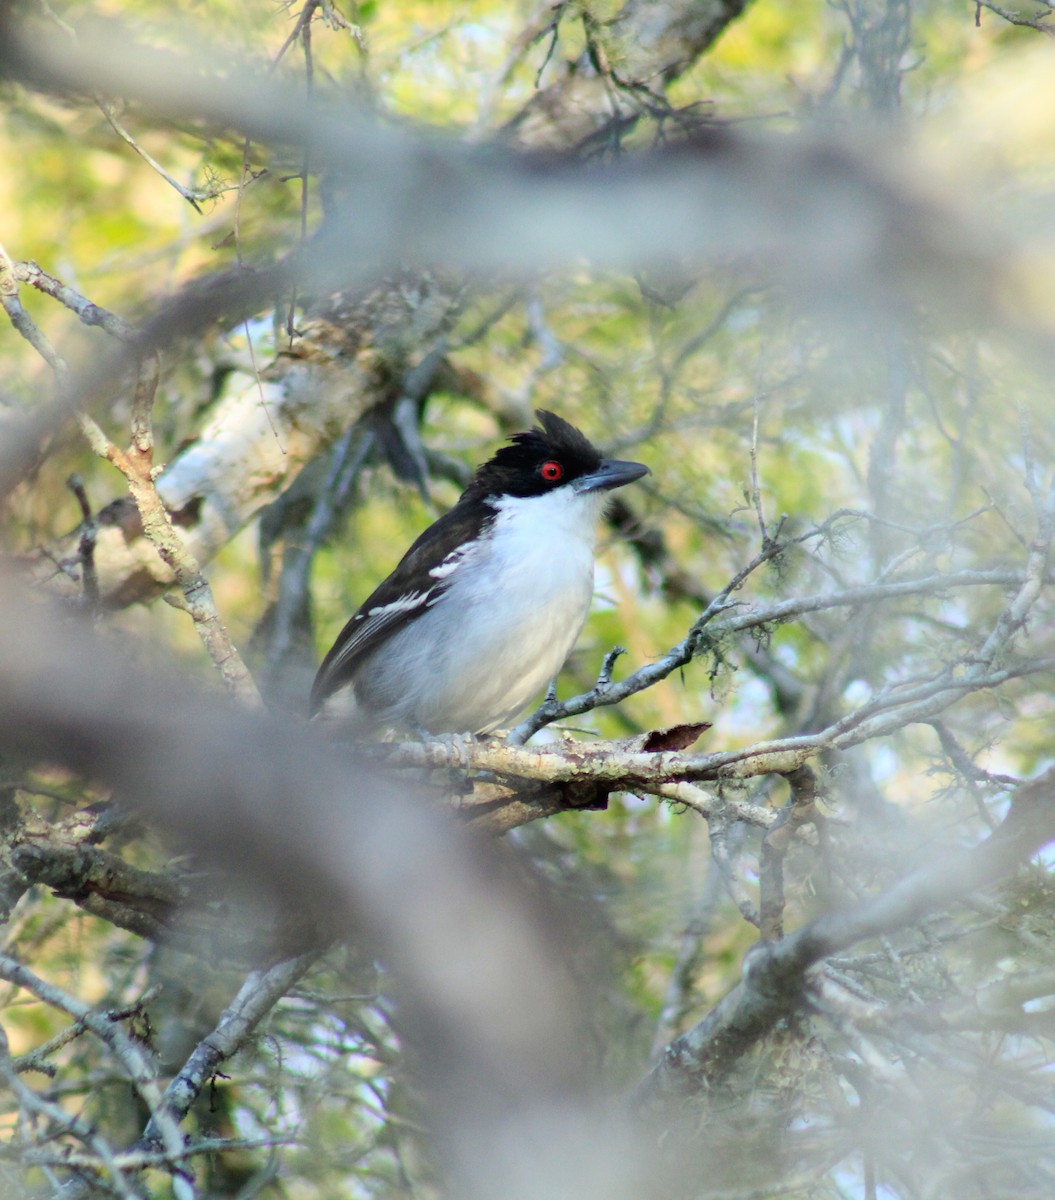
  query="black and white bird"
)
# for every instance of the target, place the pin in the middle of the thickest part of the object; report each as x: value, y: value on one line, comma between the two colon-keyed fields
x: 485, y: 606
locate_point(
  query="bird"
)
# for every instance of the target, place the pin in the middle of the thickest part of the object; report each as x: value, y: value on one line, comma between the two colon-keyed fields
x: 482, y: 611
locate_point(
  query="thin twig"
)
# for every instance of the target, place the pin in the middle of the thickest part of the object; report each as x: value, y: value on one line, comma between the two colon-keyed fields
x: 800, y: 810
x: 133, y: 1056
x: 86, y: 546
x: 750, y: 617
x: 1040, y: 22
x: 136, y: 465
x: 193, y: 198
x: 89, y: 313
x: 756, y: 490
x: 775, y: 974
x: 260, y: 992
x: 622, y: 769
x: 62, y: 1122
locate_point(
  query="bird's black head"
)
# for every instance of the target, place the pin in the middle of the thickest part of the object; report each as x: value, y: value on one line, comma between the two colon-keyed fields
x: 552, y: 455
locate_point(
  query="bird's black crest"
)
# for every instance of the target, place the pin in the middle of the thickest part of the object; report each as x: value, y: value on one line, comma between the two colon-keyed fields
x: 517, y: 469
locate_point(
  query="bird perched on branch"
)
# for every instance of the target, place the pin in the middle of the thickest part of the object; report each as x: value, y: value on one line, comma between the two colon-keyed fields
x: 485, y: 606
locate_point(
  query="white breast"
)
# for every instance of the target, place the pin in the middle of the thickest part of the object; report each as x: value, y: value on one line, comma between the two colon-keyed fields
x: 504, y: 627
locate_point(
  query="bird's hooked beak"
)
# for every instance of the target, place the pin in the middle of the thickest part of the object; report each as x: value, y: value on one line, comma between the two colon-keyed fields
x: 610, y: 474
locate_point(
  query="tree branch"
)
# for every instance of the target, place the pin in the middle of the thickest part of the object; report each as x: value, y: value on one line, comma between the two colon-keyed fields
x: 260, y: 992
x: 712, y: 626
x: 775, y: 974
x: 141, y: 1069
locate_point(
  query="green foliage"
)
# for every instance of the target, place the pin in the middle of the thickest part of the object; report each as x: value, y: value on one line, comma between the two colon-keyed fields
x: 748, y: 403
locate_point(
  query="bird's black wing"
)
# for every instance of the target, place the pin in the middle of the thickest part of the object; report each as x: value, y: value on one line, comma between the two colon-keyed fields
x: 424, y: 573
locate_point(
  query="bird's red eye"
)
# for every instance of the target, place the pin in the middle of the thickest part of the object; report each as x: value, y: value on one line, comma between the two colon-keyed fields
x: 551, y: 471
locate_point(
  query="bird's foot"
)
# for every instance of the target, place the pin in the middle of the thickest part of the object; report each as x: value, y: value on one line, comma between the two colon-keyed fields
x: 457, y: 747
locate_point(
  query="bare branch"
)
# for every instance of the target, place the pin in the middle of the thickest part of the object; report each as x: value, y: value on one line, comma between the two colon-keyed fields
x: 754, y: 617
x: 137, y: 467
x: 141, y: 1069
x: 259, y: 993
x: 723, y: 196
x: 775, y: 974
x: 1040, y: 22
x: 62, y: 1122
x: 801, y: 809
x: 323, y: 832
x: 88, y: 312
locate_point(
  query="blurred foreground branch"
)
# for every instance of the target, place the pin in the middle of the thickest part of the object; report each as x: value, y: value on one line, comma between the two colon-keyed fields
x: 823, y: 213
x: 776, y: 978
x: 486, y: 1000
